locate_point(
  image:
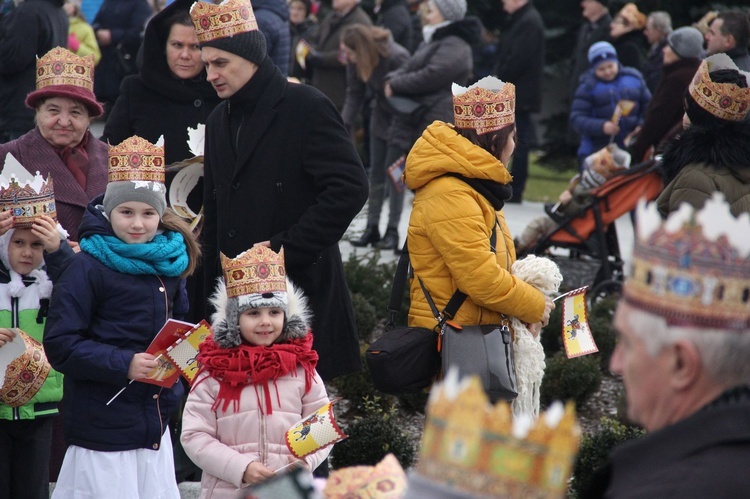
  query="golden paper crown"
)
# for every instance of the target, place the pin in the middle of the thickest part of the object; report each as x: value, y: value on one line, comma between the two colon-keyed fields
x: 723, y: 100
x: 485, y: 106
x: 136, y: 159
x: 62, y: 67
x: 635, y: 17
x: 477, y: 449
x: 385, y: 480
x: 25, y: 375
x: 258, y: 270
x: 27, y: 198
x: 693, y: 269
x: 229, y: 18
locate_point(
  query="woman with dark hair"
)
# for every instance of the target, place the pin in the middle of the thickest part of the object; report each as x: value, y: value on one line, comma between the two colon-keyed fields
x: 457, y: 236
x: 711, y: 155
x: 371, y: 54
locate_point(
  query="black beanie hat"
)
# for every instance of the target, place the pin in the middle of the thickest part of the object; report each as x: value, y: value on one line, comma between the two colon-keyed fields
x: 250, y: 45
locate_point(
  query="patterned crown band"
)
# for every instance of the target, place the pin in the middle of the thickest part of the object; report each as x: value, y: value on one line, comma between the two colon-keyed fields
x: 485, y: 109
x: 693, y: 270
x: 26, y: 198
x: 256, y: 271
x: 62, y: 67
x: 136, y: 159
x: 229, y: 18
x: 26, y: 374
x: 726, y: 101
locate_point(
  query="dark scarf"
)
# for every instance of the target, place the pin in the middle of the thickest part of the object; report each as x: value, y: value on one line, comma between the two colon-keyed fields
x: 76, y: 159
x: 245, y: 100
x: 235, y: 368
x: 493, y: 192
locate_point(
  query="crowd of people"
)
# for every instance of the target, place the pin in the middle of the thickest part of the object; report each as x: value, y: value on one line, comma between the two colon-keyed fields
x: 283, y: 91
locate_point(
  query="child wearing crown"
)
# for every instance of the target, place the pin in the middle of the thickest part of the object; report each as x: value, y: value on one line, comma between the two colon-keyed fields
x: 107, y: 307
x: 27, y: 415
x: 257, y: 377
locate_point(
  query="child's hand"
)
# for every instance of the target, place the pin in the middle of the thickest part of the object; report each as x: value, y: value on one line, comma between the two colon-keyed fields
x: 610, y: 128
x: 6, y: 221
x: 565, y: 197
x: 45, y: 228
x: 141, y: 365
x: 6, y: 336
x: 74, y: 246
x: 256, y: 473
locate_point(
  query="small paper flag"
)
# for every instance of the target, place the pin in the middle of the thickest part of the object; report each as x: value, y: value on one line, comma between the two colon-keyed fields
x: 576, y: 333
x: 315, y: 432
x: 185, y: 350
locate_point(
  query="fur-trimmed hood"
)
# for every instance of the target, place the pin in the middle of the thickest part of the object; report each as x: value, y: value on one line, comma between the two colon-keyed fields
x: 16, y: 286
x: 718, y: 145
x: 225, y: 321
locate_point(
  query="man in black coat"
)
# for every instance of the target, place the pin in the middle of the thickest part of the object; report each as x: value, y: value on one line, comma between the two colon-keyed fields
x: 280, y: 170
x: 520, y: 60
x: 31, y: 30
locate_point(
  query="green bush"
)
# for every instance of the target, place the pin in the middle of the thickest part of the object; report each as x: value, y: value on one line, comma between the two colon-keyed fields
x: 595, y: 449
x: 371, y: 438
x: 371, y: 279
x: 551, y: 337
x: 365, y: 316
x: 565, y: 379
x: 357, y: 388
x: 414, y: 402
x: 600, y: 322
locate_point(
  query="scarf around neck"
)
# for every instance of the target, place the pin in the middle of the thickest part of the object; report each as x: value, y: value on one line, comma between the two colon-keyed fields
x: 165, y: 255
x: 235, y: 368
x: 76, y: 160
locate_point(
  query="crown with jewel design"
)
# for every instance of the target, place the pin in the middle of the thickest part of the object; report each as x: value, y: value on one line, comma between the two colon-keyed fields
x: 26, y: 198
x: 257, y: 271
x: 473, y: 448
x: 723, y: 100
x: 227, y: 19
x: 486, y: 106
x: 62, y: 67
x: 136, y: 159
x: 693, y: 269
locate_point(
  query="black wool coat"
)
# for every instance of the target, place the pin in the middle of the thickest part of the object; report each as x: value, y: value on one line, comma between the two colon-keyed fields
x: 280, y: 166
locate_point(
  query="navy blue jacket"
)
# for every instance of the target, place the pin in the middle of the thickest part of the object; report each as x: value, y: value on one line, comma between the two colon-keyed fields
x: 98, y: 320
x: 273, y: 22
x: 595, y: 101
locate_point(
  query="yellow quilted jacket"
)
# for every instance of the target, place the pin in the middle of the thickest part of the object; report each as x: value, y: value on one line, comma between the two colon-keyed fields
x: 449, y: 235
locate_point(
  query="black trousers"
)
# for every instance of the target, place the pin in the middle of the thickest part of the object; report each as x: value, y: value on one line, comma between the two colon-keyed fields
x: 24, y: 457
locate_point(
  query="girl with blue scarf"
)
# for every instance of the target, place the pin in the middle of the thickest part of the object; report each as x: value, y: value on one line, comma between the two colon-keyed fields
x: 106, y: 308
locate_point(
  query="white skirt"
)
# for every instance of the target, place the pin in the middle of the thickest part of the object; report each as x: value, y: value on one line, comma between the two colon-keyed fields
x: 130, y: 474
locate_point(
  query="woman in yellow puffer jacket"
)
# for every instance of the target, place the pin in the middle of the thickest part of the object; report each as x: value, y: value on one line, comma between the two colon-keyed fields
x: 460, y: 183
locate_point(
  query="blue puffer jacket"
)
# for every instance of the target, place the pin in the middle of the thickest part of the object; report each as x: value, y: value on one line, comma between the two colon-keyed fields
x: 98, y: 320
x: 595, y: 101
x: 273, y: 22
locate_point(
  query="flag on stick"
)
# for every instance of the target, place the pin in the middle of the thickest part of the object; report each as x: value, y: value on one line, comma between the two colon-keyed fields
x: 576, y: 333
x: 184, y: 351
x: 315, y: 432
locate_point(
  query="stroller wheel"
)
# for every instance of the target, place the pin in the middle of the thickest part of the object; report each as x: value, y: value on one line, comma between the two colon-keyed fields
x: 602, y: 291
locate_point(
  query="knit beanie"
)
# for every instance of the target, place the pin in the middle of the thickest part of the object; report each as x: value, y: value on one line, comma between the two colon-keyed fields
x: 686, y: 42
x: 229, y: 26
x: 153, y: 194
x: 451, y: 10
x: 601, y: 52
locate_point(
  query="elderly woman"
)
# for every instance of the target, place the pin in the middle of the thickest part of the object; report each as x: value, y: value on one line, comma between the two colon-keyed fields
x: 711, y: 153
x: 61, y: 144
x: 461, y: 184
x: 170, y: 93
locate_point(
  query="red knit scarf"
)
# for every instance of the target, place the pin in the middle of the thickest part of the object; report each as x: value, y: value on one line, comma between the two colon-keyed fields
x: 76, y: 159
x: 235, y: 368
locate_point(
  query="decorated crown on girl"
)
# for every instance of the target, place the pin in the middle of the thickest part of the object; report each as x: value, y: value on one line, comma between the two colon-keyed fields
x: 25, y: 196
x: 485, y: 106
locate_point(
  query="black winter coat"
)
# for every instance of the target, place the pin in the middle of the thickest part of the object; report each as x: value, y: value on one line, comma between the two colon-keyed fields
x: 31, y: 30
x: 588, y: 34
x: 280, y: 166
x: 631, y: 49
x: 98, y: 320
x: 520, y: 57
x: 155, y: 102
x: 394, y: 15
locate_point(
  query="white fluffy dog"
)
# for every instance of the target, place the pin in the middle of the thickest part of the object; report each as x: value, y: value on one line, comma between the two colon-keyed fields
x: 544, y: 275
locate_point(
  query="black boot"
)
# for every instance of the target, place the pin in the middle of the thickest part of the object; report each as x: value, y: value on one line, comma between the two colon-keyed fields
x: 389, y: 241
x: 369, y: 236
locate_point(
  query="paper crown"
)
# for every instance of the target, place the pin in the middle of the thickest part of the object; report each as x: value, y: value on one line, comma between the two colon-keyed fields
x: 229, y: 18
x: 385, y: 480
x: 486, y: 106
x: 258, y: 270
x: 693, y: 269
x: 62, y: 67
x: 26, y: 197
x: 635, y: 17
x: 25, y: 374
x: 723, y: 100
x: 137, y: 160
x: 476, y: 449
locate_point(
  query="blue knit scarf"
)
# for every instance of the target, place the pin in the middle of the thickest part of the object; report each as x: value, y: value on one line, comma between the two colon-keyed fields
x: 165, y: 255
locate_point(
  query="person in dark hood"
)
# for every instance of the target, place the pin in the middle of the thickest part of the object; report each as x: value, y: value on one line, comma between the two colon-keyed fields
x: 29, y: 31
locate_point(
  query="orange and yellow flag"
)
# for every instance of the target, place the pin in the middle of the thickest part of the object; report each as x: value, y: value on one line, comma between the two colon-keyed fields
x: 184, y: 351
x: 576, y: 333
x: 315, y: 432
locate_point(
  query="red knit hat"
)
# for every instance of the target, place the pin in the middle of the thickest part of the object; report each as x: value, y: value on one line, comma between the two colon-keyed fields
x: 61, y: 73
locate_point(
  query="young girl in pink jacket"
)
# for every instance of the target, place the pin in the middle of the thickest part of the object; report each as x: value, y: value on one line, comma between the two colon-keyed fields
x: 257, y: 377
